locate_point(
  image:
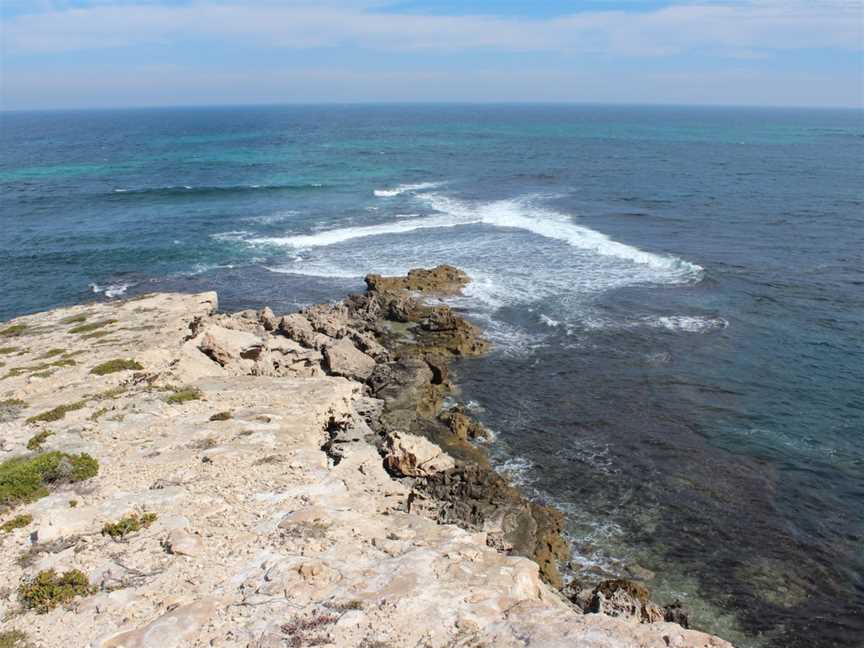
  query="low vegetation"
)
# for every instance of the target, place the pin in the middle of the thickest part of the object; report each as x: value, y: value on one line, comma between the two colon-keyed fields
x: 131, y: 523
x: 50, y: 353
x: 13, y: 331
x: 113, y: 366
x: 25, y: 479
x: 57, y: 413
x: 92, y: 326
x: 48, y: 589
x: 36, y: 441
x: 184, y: 395
x: 75, y: 319
x: 221, y: 416
x: 9, y: 349
x: 14, y: 639
x: 17, y: 522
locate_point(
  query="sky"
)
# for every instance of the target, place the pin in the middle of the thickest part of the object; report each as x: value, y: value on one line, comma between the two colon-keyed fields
x: 118, y: 53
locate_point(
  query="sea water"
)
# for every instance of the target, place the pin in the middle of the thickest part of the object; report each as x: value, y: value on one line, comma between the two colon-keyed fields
x: 675, y: 295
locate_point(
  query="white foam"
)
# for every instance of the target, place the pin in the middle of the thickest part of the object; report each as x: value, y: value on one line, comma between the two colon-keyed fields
x: 405, y: 188
x: 521, y: 214
x: 548, y: 321
x: 509, y: 214
x: 516, y: 470
x: 687, y: 323
x: 111, y: 290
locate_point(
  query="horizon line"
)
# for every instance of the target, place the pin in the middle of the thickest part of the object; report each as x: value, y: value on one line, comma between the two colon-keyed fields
x: 310, y: 104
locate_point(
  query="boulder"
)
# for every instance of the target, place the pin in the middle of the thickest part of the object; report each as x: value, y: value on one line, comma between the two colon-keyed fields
x: 298, y: 328
x: 413, y: 456
x: 181, y: 542
x: 225, y: 346
x: 463, y: 426
x: 342, y: 358
x: 267, y: 319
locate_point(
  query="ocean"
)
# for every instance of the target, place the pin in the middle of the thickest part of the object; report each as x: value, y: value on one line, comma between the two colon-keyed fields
x: 675, y: 296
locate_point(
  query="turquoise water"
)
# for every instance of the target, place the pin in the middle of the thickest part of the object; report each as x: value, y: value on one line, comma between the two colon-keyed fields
x: 676, y: 297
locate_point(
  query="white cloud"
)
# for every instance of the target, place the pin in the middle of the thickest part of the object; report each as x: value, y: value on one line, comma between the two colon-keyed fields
x: 751, y: 27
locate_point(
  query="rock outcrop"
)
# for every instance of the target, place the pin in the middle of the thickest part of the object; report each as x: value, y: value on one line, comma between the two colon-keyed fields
x: 275, y: 481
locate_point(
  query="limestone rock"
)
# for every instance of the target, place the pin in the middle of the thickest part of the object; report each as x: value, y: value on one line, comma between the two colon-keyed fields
x: 623, y: 598
x: 298, y: 328
x: 226, y: 346
x: 440, y: 280
x: 414, y: 456
x: 181, y: 542
x: 342, y: 358
x: 169, y: 630
x: 268, y: 320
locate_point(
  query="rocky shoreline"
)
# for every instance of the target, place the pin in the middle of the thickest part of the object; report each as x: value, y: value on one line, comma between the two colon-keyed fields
x: 252, y: 480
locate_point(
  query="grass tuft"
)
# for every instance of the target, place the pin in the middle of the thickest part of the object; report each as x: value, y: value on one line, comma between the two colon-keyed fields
x: 8, y: 349
x: 184, y: 395
x: 57, y: 413
x: 50, y: 353
x: 131, y: 523
x: 92, y: 326
x: 14, y: 639
x: 18, y: 522
x: 36, y: 441
x: 113, y: 366
x: 48, y: 589
x: 75, y: 319
x: 221, y: 416
x: 13, y: 331
x: 25, y: 479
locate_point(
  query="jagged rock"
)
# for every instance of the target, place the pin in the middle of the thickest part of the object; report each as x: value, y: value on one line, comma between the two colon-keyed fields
x: 675, y: 613
x: 475, y: 496
x: 298, y: 328
x: 440, y: 280
x: 268, y: 320
x: 443, y: 331
x: 342, y: 358
x: 331, y: 320
x: 463, y: 426
x: 413, y: 456
x: 623, y: 598
x: 225, y: 346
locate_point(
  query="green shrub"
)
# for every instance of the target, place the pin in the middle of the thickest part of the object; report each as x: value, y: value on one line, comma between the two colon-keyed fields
x: 57, y: 413
x: 184, y: 395
x: 24, y: 479
x: 48, y: 589
x: 128, y: 524
x: 75, y: 319
x: 113, y: 366
x: 221, y: 416
x: 87, y: 328
x: 14, y: 639
x: 36, y: 441
x: 17, y: 522
x: 13, y: 331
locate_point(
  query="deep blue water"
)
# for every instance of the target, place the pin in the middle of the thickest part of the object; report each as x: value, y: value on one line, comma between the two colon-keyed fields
x: 676, y: 296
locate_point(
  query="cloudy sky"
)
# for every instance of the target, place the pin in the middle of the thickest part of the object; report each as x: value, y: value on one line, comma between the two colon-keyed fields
x: 100, y: 53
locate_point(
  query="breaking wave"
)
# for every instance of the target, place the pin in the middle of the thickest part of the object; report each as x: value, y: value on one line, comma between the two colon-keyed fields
x: 405, y: 188
x: 508, y: 214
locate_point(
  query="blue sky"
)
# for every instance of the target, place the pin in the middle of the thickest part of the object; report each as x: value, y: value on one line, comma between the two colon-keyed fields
x: 106, y: 53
